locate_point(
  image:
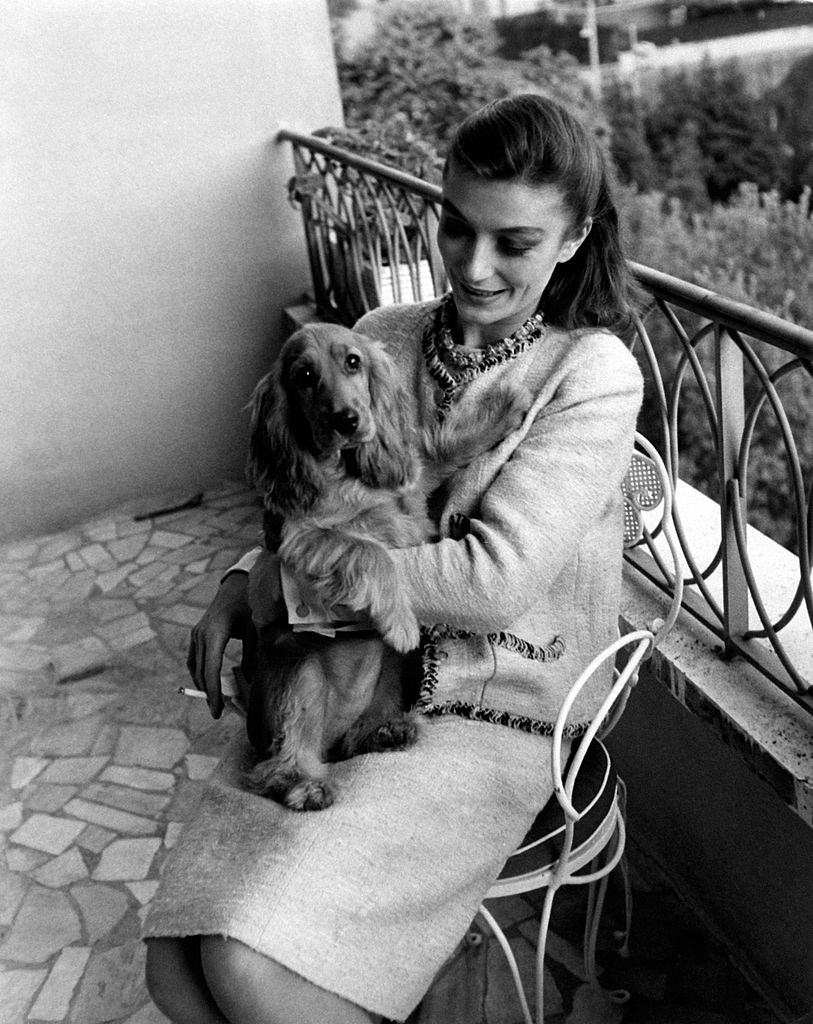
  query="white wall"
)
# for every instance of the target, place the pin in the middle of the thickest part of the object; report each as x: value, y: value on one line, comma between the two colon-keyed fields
x: 148, y: 245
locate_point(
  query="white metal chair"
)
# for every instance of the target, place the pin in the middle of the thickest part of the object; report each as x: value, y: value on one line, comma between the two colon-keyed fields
x: 579, y: 837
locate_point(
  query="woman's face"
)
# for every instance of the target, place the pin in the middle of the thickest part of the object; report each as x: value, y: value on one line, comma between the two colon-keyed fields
x: 500, y: 242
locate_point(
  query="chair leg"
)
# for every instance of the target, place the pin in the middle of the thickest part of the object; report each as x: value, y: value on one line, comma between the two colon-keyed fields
x: 595, y: 903
x: 596, y: 891
x: 512, y: 963
x: 624, y: 948
x: 541, y: 943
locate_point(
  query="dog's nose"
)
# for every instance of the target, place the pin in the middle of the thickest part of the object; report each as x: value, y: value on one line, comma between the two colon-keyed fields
x: 345, y: 421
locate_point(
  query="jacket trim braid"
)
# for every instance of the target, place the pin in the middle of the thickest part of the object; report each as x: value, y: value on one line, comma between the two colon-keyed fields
x: 431, y: 657
x: 534, y: 652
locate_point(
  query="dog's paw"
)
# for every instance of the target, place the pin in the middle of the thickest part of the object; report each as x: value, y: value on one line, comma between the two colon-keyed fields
x: 397, y: 734
x: 403, y: 635
x: 309, y: 795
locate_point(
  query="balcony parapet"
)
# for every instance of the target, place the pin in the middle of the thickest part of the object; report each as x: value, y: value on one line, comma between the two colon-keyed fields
x: 756, y: 719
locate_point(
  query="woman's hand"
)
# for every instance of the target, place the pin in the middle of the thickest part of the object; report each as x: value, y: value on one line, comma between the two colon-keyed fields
x: 227, y: 616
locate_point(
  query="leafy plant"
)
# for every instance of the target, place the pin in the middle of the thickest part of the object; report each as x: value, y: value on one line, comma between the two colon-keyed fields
x: 431, y: 64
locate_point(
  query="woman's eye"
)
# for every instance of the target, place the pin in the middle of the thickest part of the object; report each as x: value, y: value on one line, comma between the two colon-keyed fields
x: 352, y: 362
x: 510, y: 249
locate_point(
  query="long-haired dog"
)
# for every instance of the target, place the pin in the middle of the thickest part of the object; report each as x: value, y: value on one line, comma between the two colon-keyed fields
x: 345, y: 473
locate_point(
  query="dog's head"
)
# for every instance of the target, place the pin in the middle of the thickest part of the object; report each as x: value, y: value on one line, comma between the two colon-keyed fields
x: 330, y: 390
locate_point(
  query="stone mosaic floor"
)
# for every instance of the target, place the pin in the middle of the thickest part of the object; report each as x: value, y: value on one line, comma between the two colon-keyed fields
x: 101, y: 761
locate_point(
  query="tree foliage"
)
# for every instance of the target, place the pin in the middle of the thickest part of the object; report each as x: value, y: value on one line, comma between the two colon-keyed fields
x: 701, y: 127
x: 791, y: 103
x: 431, y: 63
x: 733, y: 131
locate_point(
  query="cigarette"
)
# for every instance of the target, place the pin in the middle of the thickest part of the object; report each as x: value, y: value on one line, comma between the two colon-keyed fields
x: 189, y: 691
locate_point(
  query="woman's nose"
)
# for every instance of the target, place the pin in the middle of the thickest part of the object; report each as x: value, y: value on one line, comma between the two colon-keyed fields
x: 478, y: 263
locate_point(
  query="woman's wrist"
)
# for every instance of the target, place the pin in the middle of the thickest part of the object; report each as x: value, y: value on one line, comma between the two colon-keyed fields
x: 244, y: 565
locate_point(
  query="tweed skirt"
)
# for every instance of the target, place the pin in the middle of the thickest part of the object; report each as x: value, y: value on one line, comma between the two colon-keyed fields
x: 367, y: 898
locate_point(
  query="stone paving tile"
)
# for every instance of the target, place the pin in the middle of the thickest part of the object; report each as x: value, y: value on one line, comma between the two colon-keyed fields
x: 45, y: 924
x: 137, y: 636
x: 11, y: 816
x: 110, y: 817
x: 139, y: 778
x: 94, y: 838
x: 126, y: 799
x: 150, y: 747
x: 49, y: 799
x: 200, y: 766
x: 53, y: 999
x: 112, y: 986
x: 25, y: 769
x: 68, y: 739
x: 63, y: 870
x: 149, y: 1014
x: 18, y: 990
x: 119, y: 627
x: 126, y: 860
x: 73, y: 769
x: 23, y: 860
x: 106, y: 762
x: 128, y: 548
x: 12, y: 889
x: 101, y: 907
x: 143, y: 891
x: 47, y: 833
x: 83, y: 657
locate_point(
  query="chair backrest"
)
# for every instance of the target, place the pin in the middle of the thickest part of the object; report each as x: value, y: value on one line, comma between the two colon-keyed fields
x: 647, y: 489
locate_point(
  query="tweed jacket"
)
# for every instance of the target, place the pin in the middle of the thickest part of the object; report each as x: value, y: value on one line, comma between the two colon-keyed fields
x: 521, y: 589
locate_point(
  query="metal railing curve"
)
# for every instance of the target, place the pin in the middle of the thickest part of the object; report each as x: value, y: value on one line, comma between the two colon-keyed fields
x: 715, y: 370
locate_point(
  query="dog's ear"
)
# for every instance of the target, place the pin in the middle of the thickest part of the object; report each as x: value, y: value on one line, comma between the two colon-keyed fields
x: 276, y: 463
x: 389, y: 460
x: 260, y: 407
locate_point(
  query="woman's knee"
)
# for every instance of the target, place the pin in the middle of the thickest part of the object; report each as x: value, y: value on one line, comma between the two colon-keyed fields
x: 161, y: 973
x: 176, y: 984
x: 249, y: 986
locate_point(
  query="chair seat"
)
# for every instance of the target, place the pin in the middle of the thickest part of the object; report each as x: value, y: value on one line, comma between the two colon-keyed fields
x: 595, y: 791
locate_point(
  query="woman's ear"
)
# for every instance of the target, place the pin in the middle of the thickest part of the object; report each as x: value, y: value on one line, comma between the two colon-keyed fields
x: 276, y: 464
x: 389, y: 460
x: 571, y: 244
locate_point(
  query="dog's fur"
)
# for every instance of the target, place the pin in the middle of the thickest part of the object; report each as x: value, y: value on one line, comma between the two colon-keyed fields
x: 345, y: 476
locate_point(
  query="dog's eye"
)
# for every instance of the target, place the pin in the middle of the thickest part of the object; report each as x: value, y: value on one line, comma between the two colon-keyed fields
x: 352, y: 362
x: 304, y: 377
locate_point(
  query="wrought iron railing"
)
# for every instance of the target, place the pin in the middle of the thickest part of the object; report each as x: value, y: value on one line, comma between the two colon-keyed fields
x: 716, y: 370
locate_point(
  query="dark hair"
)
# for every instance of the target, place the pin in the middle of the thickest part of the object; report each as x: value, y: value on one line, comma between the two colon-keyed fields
x: 539, y: 141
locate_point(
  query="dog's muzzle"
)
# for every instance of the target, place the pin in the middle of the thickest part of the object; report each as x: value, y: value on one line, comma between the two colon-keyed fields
x: 345, y: 422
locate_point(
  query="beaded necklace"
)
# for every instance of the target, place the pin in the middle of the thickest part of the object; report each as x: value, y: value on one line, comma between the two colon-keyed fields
x: 451, y: 365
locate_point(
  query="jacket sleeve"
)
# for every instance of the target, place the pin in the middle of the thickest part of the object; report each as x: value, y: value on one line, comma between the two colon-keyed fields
x: 560, y: 480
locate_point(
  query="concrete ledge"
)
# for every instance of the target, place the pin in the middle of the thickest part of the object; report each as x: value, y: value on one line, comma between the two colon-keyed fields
x: 772, y: 734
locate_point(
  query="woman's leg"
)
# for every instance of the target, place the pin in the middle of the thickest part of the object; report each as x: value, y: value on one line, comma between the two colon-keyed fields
x: 251, y: 989
x: 191, y: 979
x: 176, y: 983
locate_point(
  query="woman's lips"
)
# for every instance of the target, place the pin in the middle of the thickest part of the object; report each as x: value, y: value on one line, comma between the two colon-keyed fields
x: 480, y: 294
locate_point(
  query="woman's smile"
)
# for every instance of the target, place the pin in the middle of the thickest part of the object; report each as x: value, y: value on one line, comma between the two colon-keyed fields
x: 480, y: 294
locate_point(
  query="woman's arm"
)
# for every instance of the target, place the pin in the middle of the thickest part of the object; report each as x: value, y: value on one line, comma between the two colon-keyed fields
x: 227, y: 616
x: 555, y: 486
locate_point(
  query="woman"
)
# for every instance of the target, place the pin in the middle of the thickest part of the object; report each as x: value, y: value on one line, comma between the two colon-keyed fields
x: 266, y: 915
